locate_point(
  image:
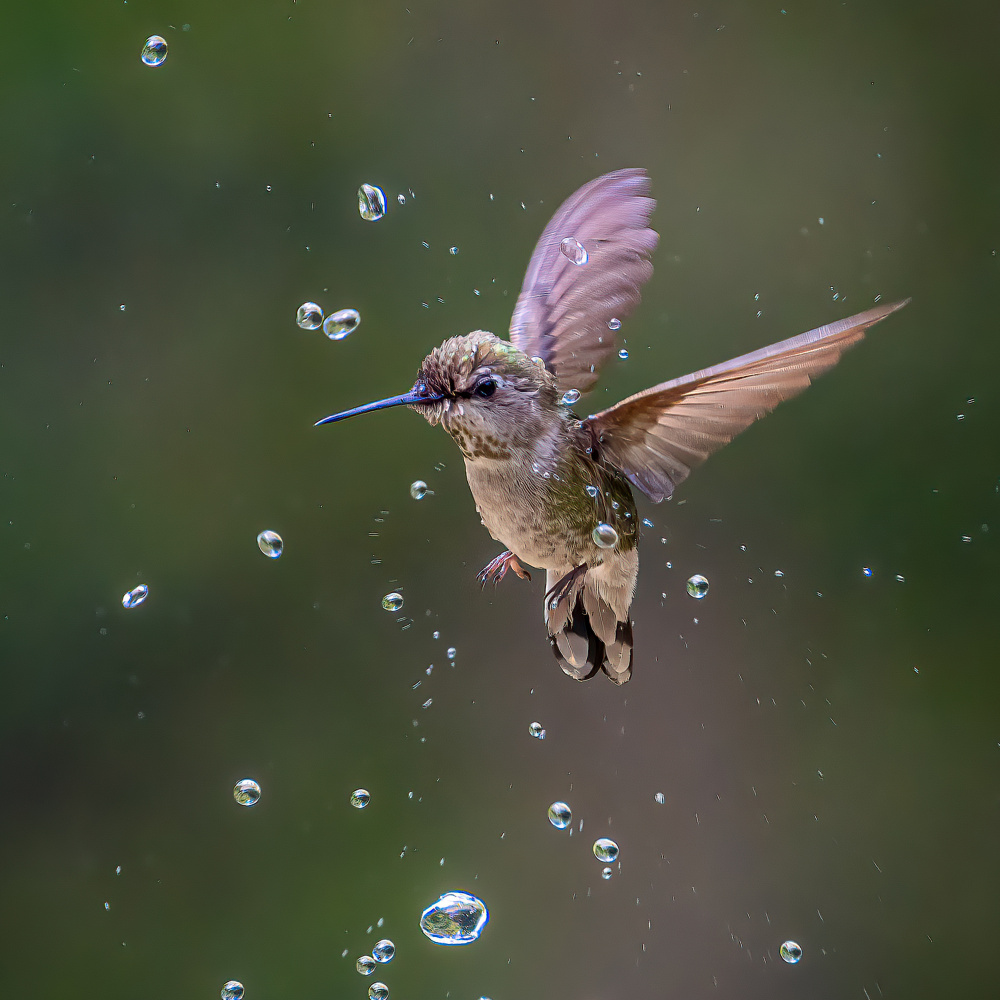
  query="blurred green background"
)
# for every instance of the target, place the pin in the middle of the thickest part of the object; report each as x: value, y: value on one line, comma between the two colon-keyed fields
x: 826, y: 743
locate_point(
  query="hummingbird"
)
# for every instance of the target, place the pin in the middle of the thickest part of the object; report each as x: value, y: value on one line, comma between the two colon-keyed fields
x: 556, y: 489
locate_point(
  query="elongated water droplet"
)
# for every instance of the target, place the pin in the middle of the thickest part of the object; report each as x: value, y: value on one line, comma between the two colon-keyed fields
x: 605, y: 536
x: 154, y: 52
x: 233, y: 990
x: 247, y: 792
x: 309, y: 316
x: 383, y: 951
x: 574, y: 250
x: 371, y: 202
x: 365, y: 965
x: 560, y: 815
x: 270, y: 543
x: 360, y: 797
x: 606, y: 850
x: 135, y: 597
x: 791, y: 952
x: 697, y: 586
x: 341, y: 323
x: 570, y: 396
x: 456, y: 918
x: 393, y: 601
x: 536, y: 730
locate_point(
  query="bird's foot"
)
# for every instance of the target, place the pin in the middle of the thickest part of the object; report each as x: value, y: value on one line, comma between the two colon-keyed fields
x: 564, y: 586
x: 496, y: 569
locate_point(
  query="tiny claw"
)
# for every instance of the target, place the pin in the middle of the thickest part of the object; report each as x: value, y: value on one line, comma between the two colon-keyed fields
x: 496, y: 569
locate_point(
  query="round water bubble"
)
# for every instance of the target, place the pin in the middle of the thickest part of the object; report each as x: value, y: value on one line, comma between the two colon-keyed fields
x: 606, y: 850
x: 560, y: 815
x: 393, y: 601
x: 360, y: 797
x: 623, y: 354
x: 365, y: 965
x: 606, y: 873
x: 419, y: 490
x: 270, y: 543
x: 574, y: 250
x: 570, y: 396
x: 605, y: 536
x: 383, y: 950
x: 456, y: 918
x: 341, y: 323
x: 659, y: 798
x: 233, y: 990
x: 791, y: 952
x: 247, y: 792
x: 614, y: 323
x: 371, y: 202
x: 135, y: 597
x: 697, y: 586
x: 154, y: 53
x: 378, y: 991
x: 536, y: 730
x: 309, y: 316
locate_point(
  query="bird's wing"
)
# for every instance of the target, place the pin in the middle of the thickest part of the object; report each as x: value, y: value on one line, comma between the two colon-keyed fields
x: 658, y: 436
x: 564, y: 309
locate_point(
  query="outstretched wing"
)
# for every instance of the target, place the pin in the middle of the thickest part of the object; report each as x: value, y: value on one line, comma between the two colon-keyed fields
x: 658, y: 436
x: 564, y: 308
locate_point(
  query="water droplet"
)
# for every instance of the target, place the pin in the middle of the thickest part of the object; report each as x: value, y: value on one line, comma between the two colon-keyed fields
x: 378, y: 991
x: 791, y: 952
x: 270, y: 543
x: 605, y: 536
x: 452, y: 652
x: 646, y: 523
x: 536, y: 730
x: 574, y: 250
x: 247, y: 792
x: 135, y: 597
x: 659, y: 798
x: 393, y: 601
x: 419, y: 490
x: 570, y: 396
x: 560, y: 815
x: 623, y: 354
x: 605, y: 850
x: 233, y: 990
x: 309, y: 316
x: 592, y: 491
x: 154, y: 52
x: 453, y: 251
x: 606, y: 873
x: 365, y: 965
x: 867, y: 571
x: 456, y: 918
x: 341, y: 323
x: 614, y: 323
x: 697, y: 586
x: 401, y: 198
x: 371, y: 202
x: 360, y: 797
x: 383, y: 950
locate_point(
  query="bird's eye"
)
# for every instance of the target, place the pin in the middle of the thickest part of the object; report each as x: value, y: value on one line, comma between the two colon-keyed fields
x: 485, y: 388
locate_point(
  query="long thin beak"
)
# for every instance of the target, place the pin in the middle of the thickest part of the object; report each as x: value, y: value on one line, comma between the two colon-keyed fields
x: 406, y: 398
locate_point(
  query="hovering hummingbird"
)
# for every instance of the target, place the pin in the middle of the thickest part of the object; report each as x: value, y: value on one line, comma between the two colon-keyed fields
x: 555, y: 489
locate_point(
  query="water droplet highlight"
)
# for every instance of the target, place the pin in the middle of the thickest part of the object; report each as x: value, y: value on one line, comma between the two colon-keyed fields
x: 419, y: 490
x: 605, y: 536
x: 606, y: 850
x: 135, y: 597
x: 570, y: 396
x: 574, y: 250
x: 560, y: 815
x: 456, y: 918
x: 536, y: 730
x: 697, y: 586
x: 383, y: 951
x: 378, y: 991
x: 791, y: 952
x: 233, y: 990
x: 371, y: 202
x: 309, y: 316
x: 365, y: 965
x: 393, y: 601
x: 360, y: 797
x: 154, y: 53
x: 614, y: 323
x: 340, y: 324
x: 247, y: 792
x: 270, y: 543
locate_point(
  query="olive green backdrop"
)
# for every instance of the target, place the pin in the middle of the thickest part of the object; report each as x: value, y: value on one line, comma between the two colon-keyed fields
x: 826, y: 743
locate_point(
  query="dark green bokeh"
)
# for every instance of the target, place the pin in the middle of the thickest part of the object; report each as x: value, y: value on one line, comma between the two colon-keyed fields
x: 827, y: 744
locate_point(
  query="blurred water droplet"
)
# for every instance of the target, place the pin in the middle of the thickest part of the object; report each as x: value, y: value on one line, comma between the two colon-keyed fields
x: 614, y: 323
x: 659, y: 798
x: 393, y: 601
x: 341, y: 323
x: 247, y: 792
x: 867, y: 571
x: 605, y: 536
x: 419, y: 490
x: 453, y: 251
x: 606, y: 873
x: 646, y: 523
x: 383, y: 950
x: 452, y: 652
x: 697, y: 586
x: 456, y: 918
x: 365, y: 965
x: 378, y: 991
x: 154, y: 52
x: 605, y: 850
x: 560, y: 815
x: 791, y: 952
x: 536, y: 730
x: 270, y: 543
x: 309, y: 316
x: 360, y: 797
x: 574, y: 250
x: 570, y: 396
x: 233, y: 990
x: 371, y: 202
x: 623, y: 354
x: 135, y: 597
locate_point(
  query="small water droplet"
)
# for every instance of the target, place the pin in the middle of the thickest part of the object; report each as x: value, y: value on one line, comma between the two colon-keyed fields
x: 247, y: 792
x: 623, y: 354
x: 659, y: 798
x: 371, y: 202
x: 604, y: 536
x: 592, y: 491
x: 135, y: 597
x: 574, y: 250
x: 536, y: 730
x: 435, y: 635
x: 570, y: 396
x: 605, y: 850
x: 419, y: 490
x: 646, y: 523
x: 697, y: 586
x: 154, y: 52
x: 560, y: 815
x: 453, y: 251
x: 233, y: 990
x: 341, y: 323
x: 606, y: 873
x: 393, y: 601
x: 452, y: 652
x: 378, y: 991
x: 401, y: 198
x: 360, y: 797
x: 867, y: 571
x: 309, y: 316
x: 270, y: 543
x: 456, y: 918
x: 383, y: 950
x: 614, y: 323
x: 791, y: 952
x: 365, y: 965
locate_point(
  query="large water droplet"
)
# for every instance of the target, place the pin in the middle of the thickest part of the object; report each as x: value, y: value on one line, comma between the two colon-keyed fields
x: 614, y: 323
x: 247, y: 792
x: 135, y: 597
x: 270, y: 543
x: 574, y: 250
x: 341, y: 323
x: 605, y: 536
x: 154, y: 53
x: 456, y: 918
x: 560, y: 815
x: 309, y: 316
x: 233, y: 990
x: 393, y: 601
x: 365, y: 965
x: 360, y: 797
x: 378, y: 991
x: 605, y: 850
x: 383, y: 950
x: 536, y: 730
x: 419, y: 490
x: 791, y: 952
x: 371, y: 202
x: 570, y: 396
x: 697, y: 586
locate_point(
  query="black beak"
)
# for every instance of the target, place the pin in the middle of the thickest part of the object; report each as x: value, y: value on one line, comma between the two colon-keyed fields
x: 407, y: 398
